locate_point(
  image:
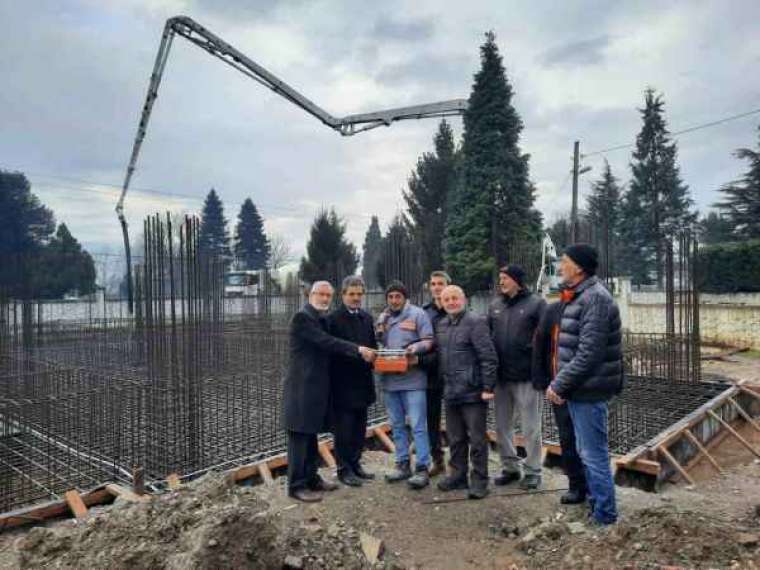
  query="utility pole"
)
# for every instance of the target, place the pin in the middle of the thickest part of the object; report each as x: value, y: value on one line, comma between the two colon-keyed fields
x: 574, y: 209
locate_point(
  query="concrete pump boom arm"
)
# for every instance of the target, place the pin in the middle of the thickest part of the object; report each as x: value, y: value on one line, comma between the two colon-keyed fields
x: 213, y: 44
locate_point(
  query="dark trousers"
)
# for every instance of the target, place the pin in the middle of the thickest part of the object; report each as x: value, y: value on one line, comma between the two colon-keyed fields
x: 571, y: 460
x: 434, y: 405
x: 349, y: 432
x: 466, y: 430
x: 303, y: 460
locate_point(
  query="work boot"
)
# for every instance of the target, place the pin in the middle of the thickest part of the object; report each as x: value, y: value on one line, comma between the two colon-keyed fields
x: 506, y: 478
x: 439, y: 467
x: 478, y: 492
x: 320, y: 484
x: 530, y: 482
x: 305, y: 495
x: 402, y: 472
x: 362, y: 474
x: 452, y: 484
x: 348, y: 478
x: 420, y: 480
x: 573, y: 497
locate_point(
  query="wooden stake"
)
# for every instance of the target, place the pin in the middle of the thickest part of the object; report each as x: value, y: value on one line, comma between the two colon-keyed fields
x: 266, y: 474
x: 744, y: 414
x: 173, y: 481
x: 385, y: 440
x: 733, y: 432
x: 75, y: 503
x: 327, y: 456
x: 677, y: 465
x: 698, y: 444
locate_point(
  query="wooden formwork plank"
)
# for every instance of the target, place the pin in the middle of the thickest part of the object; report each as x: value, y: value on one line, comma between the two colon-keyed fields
x: 385, y: 440
x: 698, y: 444
x: 50, y: 510
x: 733, y: 432
x: 743, y: 413
x: 326, y: 454
x: 672, y: 460
x: 266, y: 474
x: 750, y: 390
x: 75, y: 503
x: 126, y: 494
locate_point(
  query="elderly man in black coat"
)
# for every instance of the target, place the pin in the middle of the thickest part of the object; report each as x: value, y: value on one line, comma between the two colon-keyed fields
x: 306, y: 391
x: 352, y: 384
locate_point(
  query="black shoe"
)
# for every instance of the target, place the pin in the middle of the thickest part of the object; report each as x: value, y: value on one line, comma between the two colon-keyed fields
x: 506, y: 478
x: 305, y: 495
x: 323, y: 485
x: 350, y: 479
x: 479, y: 492
x: 573, y: 497
x: 530, y: 482
x: 402, y: 472
x: 362, y: 474
x: 450, y: 484
x: 420, y: 479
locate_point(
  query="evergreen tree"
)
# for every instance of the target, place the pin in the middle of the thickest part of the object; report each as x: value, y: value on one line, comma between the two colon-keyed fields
x: 400, y: 257
x: 603, y: 216
x: 65, y: 267
x: 492, y: 206
x: 373, y: 246
x: 329, y: 256
x: 214, y: 239
x: 252, y: 250
x: 742, y: 198
x: 429, y: 187
x: 656, y: 190
x: 716, y: 228
x: 25, y: 229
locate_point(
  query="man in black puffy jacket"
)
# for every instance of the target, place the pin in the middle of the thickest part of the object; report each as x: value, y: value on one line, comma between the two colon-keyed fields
x: 467, y: 364
x: 590, y: 370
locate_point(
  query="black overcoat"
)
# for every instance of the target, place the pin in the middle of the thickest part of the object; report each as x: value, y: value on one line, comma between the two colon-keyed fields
x: 351, y: 379
x: 306, y: 393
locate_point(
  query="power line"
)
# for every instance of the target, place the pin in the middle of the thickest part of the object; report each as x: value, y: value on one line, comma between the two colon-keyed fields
x: 676, y: 133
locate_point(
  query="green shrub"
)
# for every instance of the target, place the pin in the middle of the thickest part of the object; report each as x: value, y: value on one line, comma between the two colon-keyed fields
x: 729, y: 267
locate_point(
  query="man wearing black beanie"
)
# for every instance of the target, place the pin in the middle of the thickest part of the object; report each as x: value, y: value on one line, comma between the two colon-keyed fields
x: 589, y: 361
x: 512, y: 317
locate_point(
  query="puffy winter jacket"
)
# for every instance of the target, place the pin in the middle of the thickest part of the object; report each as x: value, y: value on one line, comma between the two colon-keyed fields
x: 590, y: 346
x: 513, y: 322
x: 466, y: 357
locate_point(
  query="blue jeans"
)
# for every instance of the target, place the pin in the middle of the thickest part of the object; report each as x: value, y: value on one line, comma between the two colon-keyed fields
x: 590, y: 423
x: 412, y: 403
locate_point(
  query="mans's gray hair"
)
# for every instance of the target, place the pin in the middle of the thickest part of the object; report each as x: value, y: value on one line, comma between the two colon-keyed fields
x: 317, y: 284
x: 352, y: 281
x: 443, y: 275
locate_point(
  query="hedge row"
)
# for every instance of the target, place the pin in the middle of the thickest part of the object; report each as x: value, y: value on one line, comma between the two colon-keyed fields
x: 730, y: 267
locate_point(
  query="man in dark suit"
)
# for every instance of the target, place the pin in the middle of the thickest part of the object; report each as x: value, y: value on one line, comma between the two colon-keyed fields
x: 352, y: 385
x: 307, y: 390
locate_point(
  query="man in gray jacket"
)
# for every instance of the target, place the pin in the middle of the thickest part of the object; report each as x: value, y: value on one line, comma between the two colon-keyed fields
x: 513, y: 317
x: 590, y: 367
x: 467, y: 364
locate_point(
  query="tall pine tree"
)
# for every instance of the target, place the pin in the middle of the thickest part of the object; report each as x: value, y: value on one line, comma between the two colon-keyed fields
x: 251, y: 245
x: 214, y: 239
x: 400, y: 257
x: 492, y: 207
x: 742, y: 198
x: 716, y: 228
x: 373, y: 246
x: 329, y: 255
x: 657, y: 203
x: 429, y: 187
x: 603, y: 215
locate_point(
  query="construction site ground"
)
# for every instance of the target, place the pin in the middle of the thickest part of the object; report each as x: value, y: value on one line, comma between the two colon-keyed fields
x: 210, y: 524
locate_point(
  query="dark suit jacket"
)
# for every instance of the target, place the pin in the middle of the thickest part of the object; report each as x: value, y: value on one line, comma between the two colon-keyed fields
x: 306, y: 394
x: 351, y: 379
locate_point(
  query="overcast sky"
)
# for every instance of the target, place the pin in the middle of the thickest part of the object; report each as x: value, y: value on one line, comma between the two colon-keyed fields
x: 74, y: 76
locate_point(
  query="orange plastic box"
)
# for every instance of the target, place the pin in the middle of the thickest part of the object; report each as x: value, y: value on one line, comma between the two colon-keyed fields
x: 391, y: 361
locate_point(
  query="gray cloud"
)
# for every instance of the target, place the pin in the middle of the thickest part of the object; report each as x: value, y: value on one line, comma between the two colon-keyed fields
x: 577, y: 53
x: 386, y: 28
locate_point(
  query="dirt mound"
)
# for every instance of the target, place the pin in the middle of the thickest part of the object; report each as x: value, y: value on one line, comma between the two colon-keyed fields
x: 653, y: 538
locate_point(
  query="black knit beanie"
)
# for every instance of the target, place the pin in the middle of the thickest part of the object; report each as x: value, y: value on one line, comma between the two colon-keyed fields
x: 516, y: 272
x: 585, y: 256
x: 397, y: 286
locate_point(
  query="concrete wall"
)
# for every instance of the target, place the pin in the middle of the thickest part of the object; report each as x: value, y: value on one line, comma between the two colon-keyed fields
x: 733, y: 319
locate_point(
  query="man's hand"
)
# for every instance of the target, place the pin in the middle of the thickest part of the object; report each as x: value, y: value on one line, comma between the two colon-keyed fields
x: 408, y: 325
x: 485, y: 396
x: 367, y: 354
x: 553, y: 397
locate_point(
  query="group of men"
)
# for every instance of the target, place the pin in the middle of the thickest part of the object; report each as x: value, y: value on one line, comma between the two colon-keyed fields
x: 457, y: 361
